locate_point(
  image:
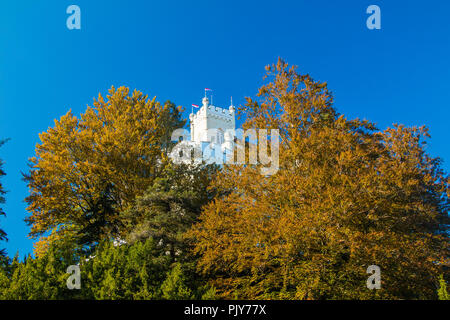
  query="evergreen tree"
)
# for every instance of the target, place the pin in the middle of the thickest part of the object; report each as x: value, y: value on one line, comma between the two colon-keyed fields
x: 170, y: 206
x: 125, y: 271
x: 42, y: 278
x: 4, y: 275
x: 442, y: 292
x: 2, y: 200
x: 174, y: 287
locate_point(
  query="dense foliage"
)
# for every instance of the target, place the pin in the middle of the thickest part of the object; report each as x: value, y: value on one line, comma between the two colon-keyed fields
x: 442, y: 292
x: 169, y: 207
x: 346, y: 196
x: 105, y: 196
x: 89, y: 169
x: 138, y: 271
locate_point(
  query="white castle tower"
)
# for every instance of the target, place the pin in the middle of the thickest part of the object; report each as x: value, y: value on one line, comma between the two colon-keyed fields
x: 211, y: 117
x: 212, y: 135
x: 212, y: 140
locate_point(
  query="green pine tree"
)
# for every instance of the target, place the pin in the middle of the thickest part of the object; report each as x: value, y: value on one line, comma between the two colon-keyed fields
x: 442, y: 292
x: 2, y: 200
x: 175, y: 287
x: 169, y: 207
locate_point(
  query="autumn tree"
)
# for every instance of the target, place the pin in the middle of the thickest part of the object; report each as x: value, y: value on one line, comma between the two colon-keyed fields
x: 89, y: 168
x: 346, y: 196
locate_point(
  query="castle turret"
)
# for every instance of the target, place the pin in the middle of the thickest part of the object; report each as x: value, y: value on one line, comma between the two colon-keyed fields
x: 205, y: 102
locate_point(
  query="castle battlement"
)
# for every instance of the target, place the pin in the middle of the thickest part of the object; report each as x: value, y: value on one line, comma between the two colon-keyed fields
x: 221, y: 111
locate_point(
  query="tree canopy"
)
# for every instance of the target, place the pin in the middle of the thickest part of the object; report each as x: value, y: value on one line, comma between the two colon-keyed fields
x: 170, y: 206
x: 90, y: 168
x: 134, y: 272
x: 346, y: 196
x: 105, y: 196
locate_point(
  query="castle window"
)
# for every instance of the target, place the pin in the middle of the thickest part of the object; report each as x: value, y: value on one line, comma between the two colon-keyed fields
x: 220, y: 136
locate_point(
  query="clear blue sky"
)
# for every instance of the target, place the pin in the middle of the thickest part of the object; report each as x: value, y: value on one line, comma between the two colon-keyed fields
x: 174, y: 49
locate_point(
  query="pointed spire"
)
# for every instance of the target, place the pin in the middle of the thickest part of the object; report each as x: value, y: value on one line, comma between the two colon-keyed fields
x: 231, y: 106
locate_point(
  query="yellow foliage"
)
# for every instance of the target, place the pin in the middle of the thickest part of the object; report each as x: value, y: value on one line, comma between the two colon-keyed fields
x: 346, y: 196
x: 89, y: 168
